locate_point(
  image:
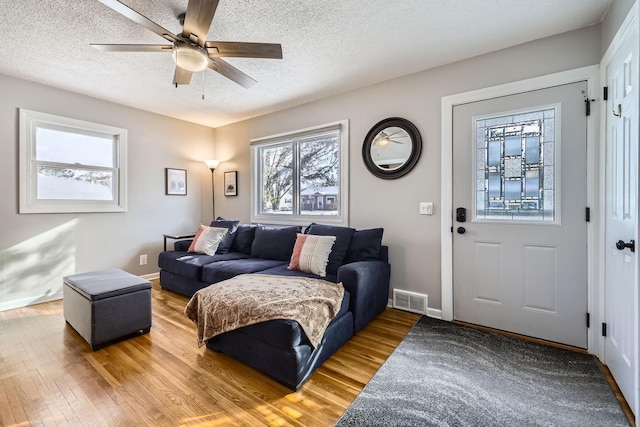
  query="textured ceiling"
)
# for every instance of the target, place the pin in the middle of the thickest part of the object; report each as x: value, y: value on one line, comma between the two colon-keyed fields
x: 329, y: 47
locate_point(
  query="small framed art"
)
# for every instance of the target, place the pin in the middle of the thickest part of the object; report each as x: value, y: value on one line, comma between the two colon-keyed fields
x: 231, y: 183
x: 175, y: 182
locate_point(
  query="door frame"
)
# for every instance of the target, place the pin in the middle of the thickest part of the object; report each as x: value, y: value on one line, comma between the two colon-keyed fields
x: 591, y: 75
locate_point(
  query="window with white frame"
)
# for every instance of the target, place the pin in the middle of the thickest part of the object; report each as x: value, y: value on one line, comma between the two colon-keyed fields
x: 69, y: 165
x: 302, y: 176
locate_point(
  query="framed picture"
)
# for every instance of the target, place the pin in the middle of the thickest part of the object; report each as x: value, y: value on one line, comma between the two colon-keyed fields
x: 175, y: 182
x: 231, y: 183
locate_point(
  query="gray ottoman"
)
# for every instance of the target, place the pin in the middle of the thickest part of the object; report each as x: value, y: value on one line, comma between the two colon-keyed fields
x: 106, y: 305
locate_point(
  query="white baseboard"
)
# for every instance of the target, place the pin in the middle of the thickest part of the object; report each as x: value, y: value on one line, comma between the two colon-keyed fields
x: 436, y: 313
x: 151, y: 276
x: 24, y: 302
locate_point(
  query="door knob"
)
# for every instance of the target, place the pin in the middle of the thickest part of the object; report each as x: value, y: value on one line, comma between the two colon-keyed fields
x: 461, y: 230
x: 621, y: 245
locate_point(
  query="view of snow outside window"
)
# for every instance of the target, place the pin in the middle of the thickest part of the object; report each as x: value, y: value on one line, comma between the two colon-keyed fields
x: 73, y: 165
x: 314, y: 162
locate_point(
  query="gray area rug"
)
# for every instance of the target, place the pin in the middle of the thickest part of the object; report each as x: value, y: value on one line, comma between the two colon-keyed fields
x: 444, y: 374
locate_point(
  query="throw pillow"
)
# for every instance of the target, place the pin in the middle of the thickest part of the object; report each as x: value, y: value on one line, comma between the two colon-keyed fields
x: 311, y: 254
x: 274, y: 243
x: 365, y: 245
x: 339, y: 251
x: 207, y: 239
x: 227, y: 240
x: 244, y: 238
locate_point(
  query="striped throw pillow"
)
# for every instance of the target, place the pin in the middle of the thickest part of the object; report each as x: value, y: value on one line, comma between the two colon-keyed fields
x: 311, y: 254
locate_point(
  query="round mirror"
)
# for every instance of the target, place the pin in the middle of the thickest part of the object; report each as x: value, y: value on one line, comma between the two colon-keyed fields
x: 392, y: 148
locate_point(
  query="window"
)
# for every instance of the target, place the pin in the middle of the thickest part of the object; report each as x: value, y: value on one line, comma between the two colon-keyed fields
x: 515, y: 166
x: 69, y: 165
x: 301, y: 177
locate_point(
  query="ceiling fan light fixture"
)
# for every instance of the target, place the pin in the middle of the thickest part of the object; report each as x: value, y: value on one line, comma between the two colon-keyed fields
x: 189, y: 57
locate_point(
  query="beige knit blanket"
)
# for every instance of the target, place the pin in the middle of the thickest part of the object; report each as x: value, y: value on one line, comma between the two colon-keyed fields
x: 253, y: 298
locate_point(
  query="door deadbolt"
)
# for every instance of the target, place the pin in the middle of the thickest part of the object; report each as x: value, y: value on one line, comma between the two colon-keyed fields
x: 461, y: 215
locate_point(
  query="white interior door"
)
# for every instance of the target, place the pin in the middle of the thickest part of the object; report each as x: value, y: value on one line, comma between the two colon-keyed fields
x: 519, y: 171
x: 621, y: 218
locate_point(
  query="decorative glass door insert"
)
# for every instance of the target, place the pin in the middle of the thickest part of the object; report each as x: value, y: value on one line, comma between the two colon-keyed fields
x: 515, y: 162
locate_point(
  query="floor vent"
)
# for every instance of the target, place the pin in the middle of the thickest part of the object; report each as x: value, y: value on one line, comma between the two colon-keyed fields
x: 410, y: 301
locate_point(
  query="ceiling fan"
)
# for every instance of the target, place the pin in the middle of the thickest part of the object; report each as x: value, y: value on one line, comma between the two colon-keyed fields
x: 383, y: 138
x: 191, y: 51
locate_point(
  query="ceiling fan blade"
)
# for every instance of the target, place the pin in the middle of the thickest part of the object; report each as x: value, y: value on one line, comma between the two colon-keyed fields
x: 140, y: 19
x: 231, y: 72
x: 198, y: 19
x: 244, y: 50
x: 181, y: 76
x: 133, y: 47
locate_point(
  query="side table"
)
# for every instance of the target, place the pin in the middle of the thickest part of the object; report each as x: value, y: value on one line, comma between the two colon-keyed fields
x: 177, y: 237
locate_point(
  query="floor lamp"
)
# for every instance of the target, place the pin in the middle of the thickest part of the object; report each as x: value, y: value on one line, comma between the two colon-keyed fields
x: 212, y: 164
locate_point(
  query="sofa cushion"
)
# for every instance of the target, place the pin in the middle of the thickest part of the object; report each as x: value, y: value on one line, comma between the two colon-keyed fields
x: 339, y: 251
x: 283, y: 270
x: 311, y: 254
x: 287, y: 333
x: 365, y: 245
x: 190, y: 264
x: 274, y: 243
x: 243, y: 239
x: 227, y: 240
x: 223, y: 270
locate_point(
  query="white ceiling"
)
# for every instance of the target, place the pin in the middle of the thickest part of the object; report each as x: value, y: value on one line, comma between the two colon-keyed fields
x: 329, y: 47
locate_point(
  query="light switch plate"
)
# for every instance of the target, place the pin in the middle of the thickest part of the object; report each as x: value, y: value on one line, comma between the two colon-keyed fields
x: 426, y: 208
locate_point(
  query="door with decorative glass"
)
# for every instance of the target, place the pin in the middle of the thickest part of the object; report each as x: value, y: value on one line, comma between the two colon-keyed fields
x: 520, y: 233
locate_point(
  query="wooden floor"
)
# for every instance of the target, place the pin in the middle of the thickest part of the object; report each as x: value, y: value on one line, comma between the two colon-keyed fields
x: 49, y: 376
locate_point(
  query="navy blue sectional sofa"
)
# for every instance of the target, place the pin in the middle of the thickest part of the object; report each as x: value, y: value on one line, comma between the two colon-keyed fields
x: 280, y: 348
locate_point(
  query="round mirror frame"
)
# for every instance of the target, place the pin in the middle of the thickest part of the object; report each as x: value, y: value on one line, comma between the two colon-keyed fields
x: 416, y: 147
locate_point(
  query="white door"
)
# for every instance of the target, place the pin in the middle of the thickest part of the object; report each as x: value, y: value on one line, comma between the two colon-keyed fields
x: 519, y: 174
x: 621, y: 217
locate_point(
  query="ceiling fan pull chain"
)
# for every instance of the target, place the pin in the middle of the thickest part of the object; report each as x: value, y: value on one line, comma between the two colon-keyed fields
x: 203, y: 76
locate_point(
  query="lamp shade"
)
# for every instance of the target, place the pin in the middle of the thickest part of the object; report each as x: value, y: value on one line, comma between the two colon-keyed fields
x: 189, y: 57
x: 212, y: 164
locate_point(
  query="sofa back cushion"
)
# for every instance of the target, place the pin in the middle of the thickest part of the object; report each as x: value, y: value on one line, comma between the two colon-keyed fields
x: 227, y: 240
x: 243, y: 239
x: 365, y: 245
x: 339, y: 251
x: 274, y: 243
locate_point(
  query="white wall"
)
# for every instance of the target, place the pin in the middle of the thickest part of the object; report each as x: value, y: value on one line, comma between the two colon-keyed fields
x: 37, y: 250
x: 613, y: 19
x: 413, y: 240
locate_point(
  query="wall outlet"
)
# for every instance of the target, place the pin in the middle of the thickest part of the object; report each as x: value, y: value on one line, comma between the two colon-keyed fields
x: 426, y: 208
x: 143, y: 259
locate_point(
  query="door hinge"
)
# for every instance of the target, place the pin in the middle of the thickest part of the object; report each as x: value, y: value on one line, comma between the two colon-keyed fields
x: 587, y: 106
x: 604, y: 329
x: 452, y: 228
x: 587, y: 214
x: 588, y: 320
x: 605, y: 93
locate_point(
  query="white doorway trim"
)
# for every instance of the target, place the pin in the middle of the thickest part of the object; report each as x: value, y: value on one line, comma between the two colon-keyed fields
x: 591, y: 75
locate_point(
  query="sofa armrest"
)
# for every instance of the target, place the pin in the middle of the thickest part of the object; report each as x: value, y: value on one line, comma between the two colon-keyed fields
x: 368, y: 285
x: 182, y: 245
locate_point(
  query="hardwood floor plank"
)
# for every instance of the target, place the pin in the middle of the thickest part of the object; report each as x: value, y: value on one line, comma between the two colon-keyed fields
x: 50, y: 376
